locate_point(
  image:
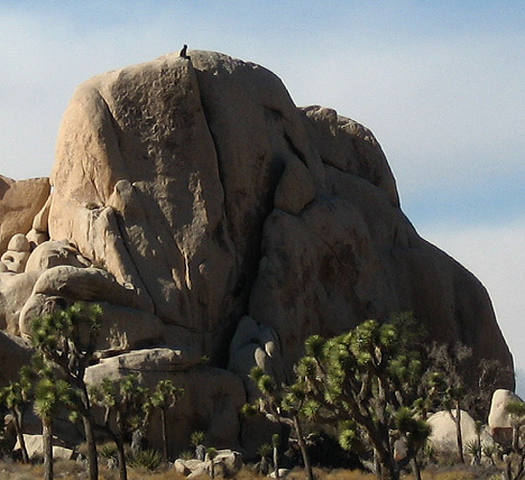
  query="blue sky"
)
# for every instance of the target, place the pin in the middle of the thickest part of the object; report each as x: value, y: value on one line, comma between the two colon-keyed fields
x: 439, y: 82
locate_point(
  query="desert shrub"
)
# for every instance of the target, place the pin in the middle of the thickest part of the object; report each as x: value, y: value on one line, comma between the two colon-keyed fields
x: 473, y: 448
x: 108, y: 450
x: 186, y: 455
x: 149, y: 459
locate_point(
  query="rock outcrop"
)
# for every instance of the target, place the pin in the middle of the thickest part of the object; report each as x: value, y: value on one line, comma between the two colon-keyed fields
x: 444, y: 436
x: 20, y: 202
x: 212, y: 217
x: 499, y: 421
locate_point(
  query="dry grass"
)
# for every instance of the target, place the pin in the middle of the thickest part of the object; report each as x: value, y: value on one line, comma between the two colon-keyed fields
x: 68, y: 470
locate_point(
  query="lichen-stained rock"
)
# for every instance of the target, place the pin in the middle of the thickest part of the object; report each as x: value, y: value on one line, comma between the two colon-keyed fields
x: 14, y: 354
x: 20, y: 201
x: 211, y: 401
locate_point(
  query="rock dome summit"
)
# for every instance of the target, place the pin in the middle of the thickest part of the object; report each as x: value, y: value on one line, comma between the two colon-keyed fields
x: 211, y: 217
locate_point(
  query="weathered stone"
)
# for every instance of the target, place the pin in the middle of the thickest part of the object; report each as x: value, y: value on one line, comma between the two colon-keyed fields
x: 18, y: 243
x: 70, y: 284
x: 35, y: 448
x: 53, y: 253
x: 41, y: 218
x: 199, y: 472
x: 15, y: 289
x: 180, y: 467
x: 499, y: 421
x: 255, y: 345
x: 20, y: 201
x: 230, y: 459
x: 90, y: 284
x: 283, y: 473
x: 210, y: 206
x: 121, y: 328
x: 35, y: 238
x: 443, y: 436
x: 14, y: 261
x: 296, y: 188
x: 171, y: 216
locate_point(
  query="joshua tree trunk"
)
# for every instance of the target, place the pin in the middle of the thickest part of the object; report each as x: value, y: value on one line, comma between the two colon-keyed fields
x: 212, y: 469
x: 123, y: 473
x: 459, y: 436
x: 388, y: 469
x: 47, y: 434
x: 17, y: 416
x: 92, y: 447
x: 417, y: 469
x: 302, y: 446
x: 276, y: 461
x: 164, y: 435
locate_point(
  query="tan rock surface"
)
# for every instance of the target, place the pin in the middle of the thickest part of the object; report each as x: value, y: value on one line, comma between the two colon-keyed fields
x: 15, y: 290
x: 201, y: 195
x: 20, y: 201
x: 52, y: 254
x: 214, y: 196
x: 443, y: 436
x: 35, y: 448
x: 499, y: 421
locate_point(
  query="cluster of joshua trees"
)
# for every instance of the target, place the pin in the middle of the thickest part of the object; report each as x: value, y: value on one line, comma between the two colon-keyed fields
x: 55, y: 381
x: 373, y: 385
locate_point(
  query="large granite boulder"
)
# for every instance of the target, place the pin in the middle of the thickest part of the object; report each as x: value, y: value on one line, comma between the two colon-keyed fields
x: 443, y: 436
x: 499, y: 421
x: 20, y: 201
x: 211, y: 216
x: 202, y: 186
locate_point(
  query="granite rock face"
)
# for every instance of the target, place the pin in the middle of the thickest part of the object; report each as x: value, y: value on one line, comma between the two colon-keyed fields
x: 212, y: 216
x: 20, y: 201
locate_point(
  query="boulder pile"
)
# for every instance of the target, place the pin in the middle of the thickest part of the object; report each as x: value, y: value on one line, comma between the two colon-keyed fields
x: 213, y: 218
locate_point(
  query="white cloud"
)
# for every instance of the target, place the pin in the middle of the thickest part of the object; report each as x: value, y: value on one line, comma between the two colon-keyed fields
x: 496, y: 255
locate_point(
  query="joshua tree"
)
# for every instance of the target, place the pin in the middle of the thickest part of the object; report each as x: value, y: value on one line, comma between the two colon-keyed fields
x: 515, y: 460
x: 58, y: 338
x: 123, y: 402
x: 449, y: 366
x: 50, y: 395
x: 165, y: 396
x: 16, y: 397
x: 197, y: 439
x: 276, y: 443
x: 365, y: 381
x: 282, y: 404
x: 264, y: 451
x: 211, y: 453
